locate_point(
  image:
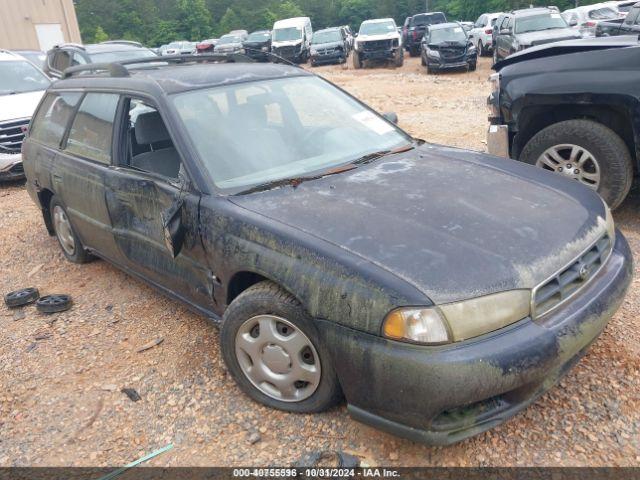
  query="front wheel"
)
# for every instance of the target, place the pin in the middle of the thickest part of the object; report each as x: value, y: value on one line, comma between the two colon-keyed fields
x: 585, y: 151
x: 273, y: 351
x: 357, y: 63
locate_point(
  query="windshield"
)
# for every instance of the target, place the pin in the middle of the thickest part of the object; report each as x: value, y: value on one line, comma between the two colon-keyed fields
x: 625, y: 7
x: 433, y: 19
x: 535, y: 23
x: 605, y: 13
x: 287, y: 34
x: 448, y: 34
x: 297, y: 127
x: 229, y: 39
x: 377, y: 28
x: 122, y: 55
x: 326, y: 37
x: 37, y: 58
x: 20, y: 77
x: 259, y: 37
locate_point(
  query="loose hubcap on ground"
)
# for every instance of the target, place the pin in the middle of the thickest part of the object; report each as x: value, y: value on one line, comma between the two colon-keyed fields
x: 278, y: 358
x: 572, y: 161
x: 63, y: 230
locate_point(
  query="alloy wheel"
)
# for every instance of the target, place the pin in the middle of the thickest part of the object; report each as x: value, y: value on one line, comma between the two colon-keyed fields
x: 574, y: 162
x: 63, y: 230
x: 278, y: 358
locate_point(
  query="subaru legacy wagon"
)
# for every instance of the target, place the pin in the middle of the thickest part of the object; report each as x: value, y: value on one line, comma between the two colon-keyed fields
x: 439, y: 291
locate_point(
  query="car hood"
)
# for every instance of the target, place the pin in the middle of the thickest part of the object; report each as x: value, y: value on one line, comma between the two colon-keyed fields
x: 569, y: 46
x: 20, y: 105
x: 454, y: 224
x: 326, y: 45
x: 287, y: 43
x: 557, y: 33
x: 386, y: 36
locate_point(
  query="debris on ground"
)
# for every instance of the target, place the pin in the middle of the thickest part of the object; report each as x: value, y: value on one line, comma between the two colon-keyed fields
x: 121, y: 470
x: 253, y: 438
x: 54, y: 303
x: 133, y: 395
x: 151, y: 344
x: 328, y: 458
x: 22, y: 297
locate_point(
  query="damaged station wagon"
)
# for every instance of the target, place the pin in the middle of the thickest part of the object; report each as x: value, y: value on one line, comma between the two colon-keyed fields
x: 438, y: 290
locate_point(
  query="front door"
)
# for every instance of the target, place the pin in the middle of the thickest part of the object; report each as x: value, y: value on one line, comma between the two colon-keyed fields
x: 142, y: 189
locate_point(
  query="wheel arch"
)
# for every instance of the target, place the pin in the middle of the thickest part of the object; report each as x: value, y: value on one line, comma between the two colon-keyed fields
x: 44, y: 197
x: 533, y: 119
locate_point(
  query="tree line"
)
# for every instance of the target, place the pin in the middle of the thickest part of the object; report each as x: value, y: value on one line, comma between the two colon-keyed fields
x: 157, y: 22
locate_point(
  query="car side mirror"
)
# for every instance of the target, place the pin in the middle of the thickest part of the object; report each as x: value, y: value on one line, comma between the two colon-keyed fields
x: 391, y: 116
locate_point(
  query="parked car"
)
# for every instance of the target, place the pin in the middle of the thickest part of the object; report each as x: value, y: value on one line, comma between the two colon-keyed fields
x: 291, y: 39
x: 243, y: 34
x: 417, y: 27
x: 22, y: 85
x: 586, y: 19
x: 37, y: 57
x: 229, y: 44
x: 482, y: 33
x: 630, y: 25
x: 258, y: 45
x: 447, y: 46
x: 378, y: 40
x: 582, y: 124
x: 61, y: 57
x: 180, y: 48
x: 329, y: 46
x: 521, y: 29
x: 206, y: 46
x: 288, y: 245
x: 622, y: 6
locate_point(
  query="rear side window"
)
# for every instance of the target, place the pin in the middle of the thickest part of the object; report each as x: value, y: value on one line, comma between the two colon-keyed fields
x: 92, y: 130
x: 53, y: 117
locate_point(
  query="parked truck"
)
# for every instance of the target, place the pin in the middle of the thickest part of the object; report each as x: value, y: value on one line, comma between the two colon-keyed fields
x: 630, y: 25
x: 291, y: 39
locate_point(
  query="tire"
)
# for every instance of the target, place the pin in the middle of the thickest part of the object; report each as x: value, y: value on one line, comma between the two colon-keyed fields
x: 473, y: 66
x: 422, y: 60
x: 261, y: 305
x: 481, y: 50
x: 67, y: 237
x: 431, y: 70
x: 54, y: 303
x: 414, y: 52
x: 399, y: 60
x: 357, y: 63
x: 609, y: 152
x: 20, y: 298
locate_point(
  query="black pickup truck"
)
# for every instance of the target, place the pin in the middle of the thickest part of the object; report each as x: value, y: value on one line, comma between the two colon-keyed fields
x: 416, y: 28
x: 630, y: 25
x: 571, y: 107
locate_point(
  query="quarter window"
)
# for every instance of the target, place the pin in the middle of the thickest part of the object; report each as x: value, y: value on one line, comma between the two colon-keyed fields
x: 92, y: 130
x: 53, y: 117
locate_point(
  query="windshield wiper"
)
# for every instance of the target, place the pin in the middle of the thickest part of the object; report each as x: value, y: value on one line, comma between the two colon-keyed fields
x: 295, y: 181
x: 370, y: 157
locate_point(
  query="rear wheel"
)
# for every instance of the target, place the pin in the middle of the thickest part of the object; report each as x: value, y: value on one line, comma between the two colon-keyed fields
x: 67, y: 238
x: 274, y: 353
x: 585, y: 151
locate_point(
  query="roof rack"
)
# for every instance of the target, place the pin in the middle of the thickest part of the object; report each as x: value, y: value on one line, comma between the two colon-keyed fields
x: 118, y: 69
x: 122, y: 42
x: 69, y: 44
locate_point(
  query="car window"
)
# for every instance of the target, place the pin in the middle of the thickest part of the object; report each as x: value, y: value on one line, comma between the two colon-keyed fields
x: 21, y: 76
x: 78, y: 59
x: 53, y: 116
x: 149, y: 145
x: 604, y: 13
x: 92, y: 129
x: 61, y: 60
x: 635, y: 15
x: 509, y: 24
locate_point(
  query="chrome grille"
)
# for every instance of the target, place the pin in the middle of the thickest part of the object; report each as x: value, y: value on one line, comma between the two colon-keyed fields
x: 376, y: 45
x: 11, y: 135
x: 571, y: 279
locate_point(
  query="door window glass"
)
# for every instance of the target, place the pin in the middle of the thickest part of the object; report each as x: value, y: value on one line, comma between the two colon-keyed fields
x: 92, y: 129
x: 62, y: 60
x: 53, y: 117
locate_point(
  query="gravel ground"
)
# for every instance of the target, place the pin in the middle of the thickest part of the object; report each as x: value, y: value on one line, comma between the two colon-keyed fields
x: 61, y: 376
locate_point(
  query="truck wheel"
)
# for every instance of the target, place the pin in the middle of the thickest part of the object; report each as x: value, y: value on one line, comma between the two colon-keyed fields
x: 273, y: 351
x: 586, y: 151
x: 399, y: 60
x: 357, y: 63
x: 67, y: 238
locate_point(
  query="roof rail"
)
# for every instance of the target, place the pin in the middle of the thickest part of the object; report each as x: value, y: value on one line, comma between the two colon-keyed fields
x: 69, y: 44
x: 118, y: 69
x: 122, y: 42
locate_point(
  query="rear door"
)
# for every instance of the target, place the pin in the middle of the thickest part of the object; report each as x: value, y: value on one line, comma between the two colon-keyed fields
x: 143, y: 188
x: 79, y: 171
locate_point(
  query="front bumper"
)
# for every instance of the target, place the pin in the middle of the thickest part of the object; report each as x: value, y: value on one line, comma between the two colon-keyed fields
x: 387, y: 54
x: 328, y: 58
x: 11, y: 167
x: 442, y: 395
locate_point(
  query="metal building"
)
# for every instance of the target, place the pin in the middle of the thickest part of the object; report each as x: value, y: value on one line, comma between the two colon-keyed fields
x: 37, y: 24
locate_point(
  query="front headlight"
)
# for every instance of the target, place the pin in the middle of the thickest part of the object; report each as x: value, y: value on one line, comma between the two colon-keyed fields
x: 265, y: 49
x: 314, y: 51
x: 433, y: 53
x: 458, y: 321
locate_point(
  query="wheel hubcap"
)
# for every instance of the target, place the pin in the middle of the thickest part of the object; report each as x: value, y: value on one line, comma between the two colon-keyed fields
x: 278, y: 358
x: 63, y: 230
x: 572, y: 161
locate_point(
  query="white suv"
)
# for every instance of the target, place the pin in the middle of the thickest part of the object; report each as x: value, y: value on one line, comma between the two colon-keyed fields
x: 482, y: 33
x: 22, y: 85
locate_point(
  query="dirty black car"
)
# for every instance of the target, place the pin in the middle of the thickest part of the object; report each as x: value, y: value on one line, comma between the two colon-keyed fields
x: 447, y: 46
x: 258, y: 45
x: 329, y: 46
x: 439, y: 290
